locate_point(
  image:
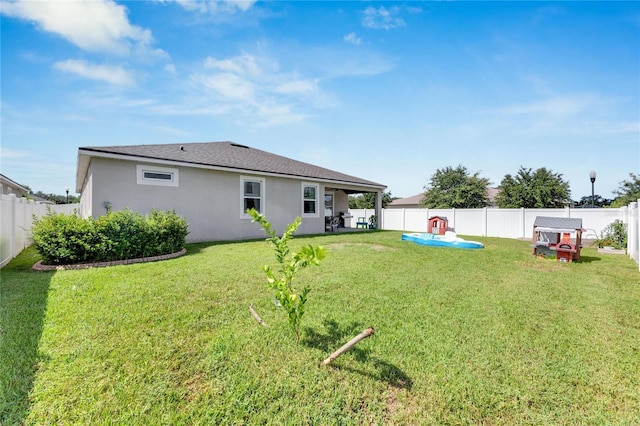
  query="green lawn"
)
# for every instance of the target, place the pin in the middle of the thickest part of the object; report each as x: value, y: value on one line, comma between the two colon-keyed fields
x: 492, y: 336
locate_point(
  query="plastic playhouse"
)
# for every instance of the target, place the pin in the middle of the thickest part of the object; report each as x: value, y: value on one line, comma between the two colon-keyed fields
x: 437, y: 225
x: 557, y: 237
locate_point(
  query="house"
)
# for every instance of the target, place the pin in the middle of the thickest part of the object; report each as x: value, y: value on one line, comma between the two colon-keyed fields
x: 8, y: 186
x: 212, y: 185
x: 415, y: 201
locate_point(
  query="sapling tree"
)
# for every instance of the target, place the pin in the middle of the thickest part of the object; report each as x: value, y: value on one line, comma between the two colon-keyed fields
x: 281, y: 279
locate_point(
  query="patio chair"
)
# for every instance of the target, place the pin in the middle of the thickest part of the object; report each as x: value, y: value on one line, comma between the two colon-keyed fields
x: 362, y: 222
x: 332, y: 224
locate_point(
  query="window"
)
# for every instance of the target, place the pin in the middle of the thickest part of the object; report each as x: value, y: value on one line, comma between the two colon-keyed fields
x: 252, y: 191
x: 152, y: 175
x: 309, y: 200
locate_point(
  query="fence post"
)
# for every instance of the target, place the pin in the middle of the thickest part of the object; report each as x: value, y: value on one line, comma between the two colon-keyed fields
x: 12, y: 235
x: 484, y: 222
x: 453, y: 214
x: 633, y: 231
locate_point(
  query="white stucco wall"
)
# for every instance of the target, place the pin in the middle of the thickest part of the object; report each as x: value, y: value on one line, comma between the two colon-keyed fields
x: 210, y: 200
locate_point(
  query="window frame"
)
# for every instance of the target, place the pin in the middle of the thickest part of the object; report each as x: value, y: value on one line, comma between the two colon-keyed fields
x: 261, y: 198
x: 142, y: 169
x: 316, y: 187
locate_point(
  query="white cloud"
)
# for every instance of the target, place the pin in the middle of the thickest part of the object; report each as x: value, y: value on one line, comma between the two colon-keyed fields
x: 92, y: 25
x: 252, y: 86
x: 214, y: 6
x: 7, y: 153
x: 242, y: 4
x: 278, y: 114
x: 171, y: 69
x: 561, y: 106
x: 111, y: 74
x: 382, y: 18
x: 242, y: 64
x: 295, y: 86
x: 352, y: 38
x: 228, y: 86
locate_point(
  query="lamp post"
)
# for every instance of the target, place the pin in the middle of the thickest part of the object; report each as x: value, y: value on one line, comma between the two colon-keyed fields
x: 67, y: 190
x: 592, y: 177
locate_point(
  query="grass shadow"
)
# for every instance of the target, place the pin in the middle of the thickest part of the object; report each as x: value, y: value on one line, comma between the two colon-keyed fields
x: 335, y: 335
x: 589, y: 259
x: 23, y: 303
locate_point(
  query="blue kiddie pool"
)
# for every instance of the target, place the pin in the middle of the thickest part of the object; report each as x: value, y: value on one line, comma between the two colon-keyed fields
x: 450, y: 239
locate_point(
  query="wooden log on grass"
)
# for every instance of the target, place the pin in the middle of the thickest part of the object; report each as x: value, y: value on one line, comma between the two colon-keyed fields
x: 256, y: 316
x: 366, y: 333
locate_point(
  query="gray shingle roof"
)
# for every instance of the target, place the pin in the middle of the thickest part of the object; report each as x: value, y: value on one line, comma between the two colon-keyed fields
x: 558, y: 222
x: 413, y: 200
x: 229, y: 155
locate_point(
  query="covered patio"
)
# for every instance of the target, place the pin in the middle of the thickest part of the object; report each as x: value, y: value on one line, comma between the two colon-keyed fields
x: 336, y: 210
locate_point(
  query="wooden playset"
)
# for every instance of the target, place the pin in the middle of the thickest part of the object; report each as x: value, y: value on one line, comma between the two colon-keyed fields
x: 552, y: 238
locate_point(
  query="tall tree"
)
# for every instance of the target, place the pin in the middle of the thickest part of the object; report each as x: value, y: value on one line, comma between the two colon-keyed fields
x: 368, y: 200
x: 456, y: 188
x: 627, y: 192
x: 539, y: 189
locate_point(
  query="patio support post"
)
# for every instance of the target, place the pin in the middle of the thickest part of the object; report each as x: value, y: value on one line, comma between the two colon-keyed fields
x: 379, y: 209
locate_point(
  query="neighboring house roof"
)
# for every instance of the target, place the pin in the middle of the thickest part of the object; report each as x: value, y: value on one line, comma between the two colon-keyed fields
x: 218, y: 155
x: 557, y: 222
x: 413, y: 200
x: 416, y: 200
x: 6, y: 182
x: 492, y: 193
x: 39, y: 199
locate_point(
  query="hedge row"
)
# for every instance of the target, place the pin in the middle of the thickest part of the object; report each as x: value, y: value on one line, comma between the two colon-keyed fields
x: 67, y: 239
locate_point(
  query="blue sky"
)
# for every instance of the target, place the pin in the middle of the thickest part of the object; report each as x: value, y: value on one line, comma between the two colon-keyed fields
x: 386, y: 91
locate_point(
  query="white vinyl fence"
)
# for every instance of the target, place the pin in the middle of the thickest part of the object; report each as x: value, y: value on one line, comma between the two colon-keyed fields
x: 16, y: 218
x: 508, y: 223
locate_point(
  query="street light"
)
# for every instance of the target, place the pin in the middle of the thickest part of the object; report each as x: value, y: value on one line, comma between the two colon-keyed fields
x: 67, y: 190
x: 592, y: 177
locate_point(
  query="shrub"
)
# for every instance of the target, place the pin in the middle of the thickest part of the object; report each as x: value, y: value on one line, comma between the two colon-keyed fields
x: 614, y: 235
x: 66, y: 239
x: 125, y: 235
x: 61, y: 238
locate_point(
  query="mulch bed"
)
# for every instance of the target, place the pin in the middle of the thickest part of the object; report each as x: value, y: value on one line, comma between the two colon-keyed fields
x: 43, y: 268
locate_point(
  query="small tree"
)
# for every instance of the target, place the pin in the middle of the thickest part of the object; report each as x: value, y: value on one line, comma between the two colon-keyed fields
x: 533, y: 190
x: 281, y: 280
x: 614, y: 235
x: 456, y: 188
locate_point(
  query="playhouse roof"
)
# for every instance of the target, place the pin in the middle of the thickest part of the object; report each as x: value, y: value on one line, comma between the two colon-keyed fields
x: 558, y: 223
